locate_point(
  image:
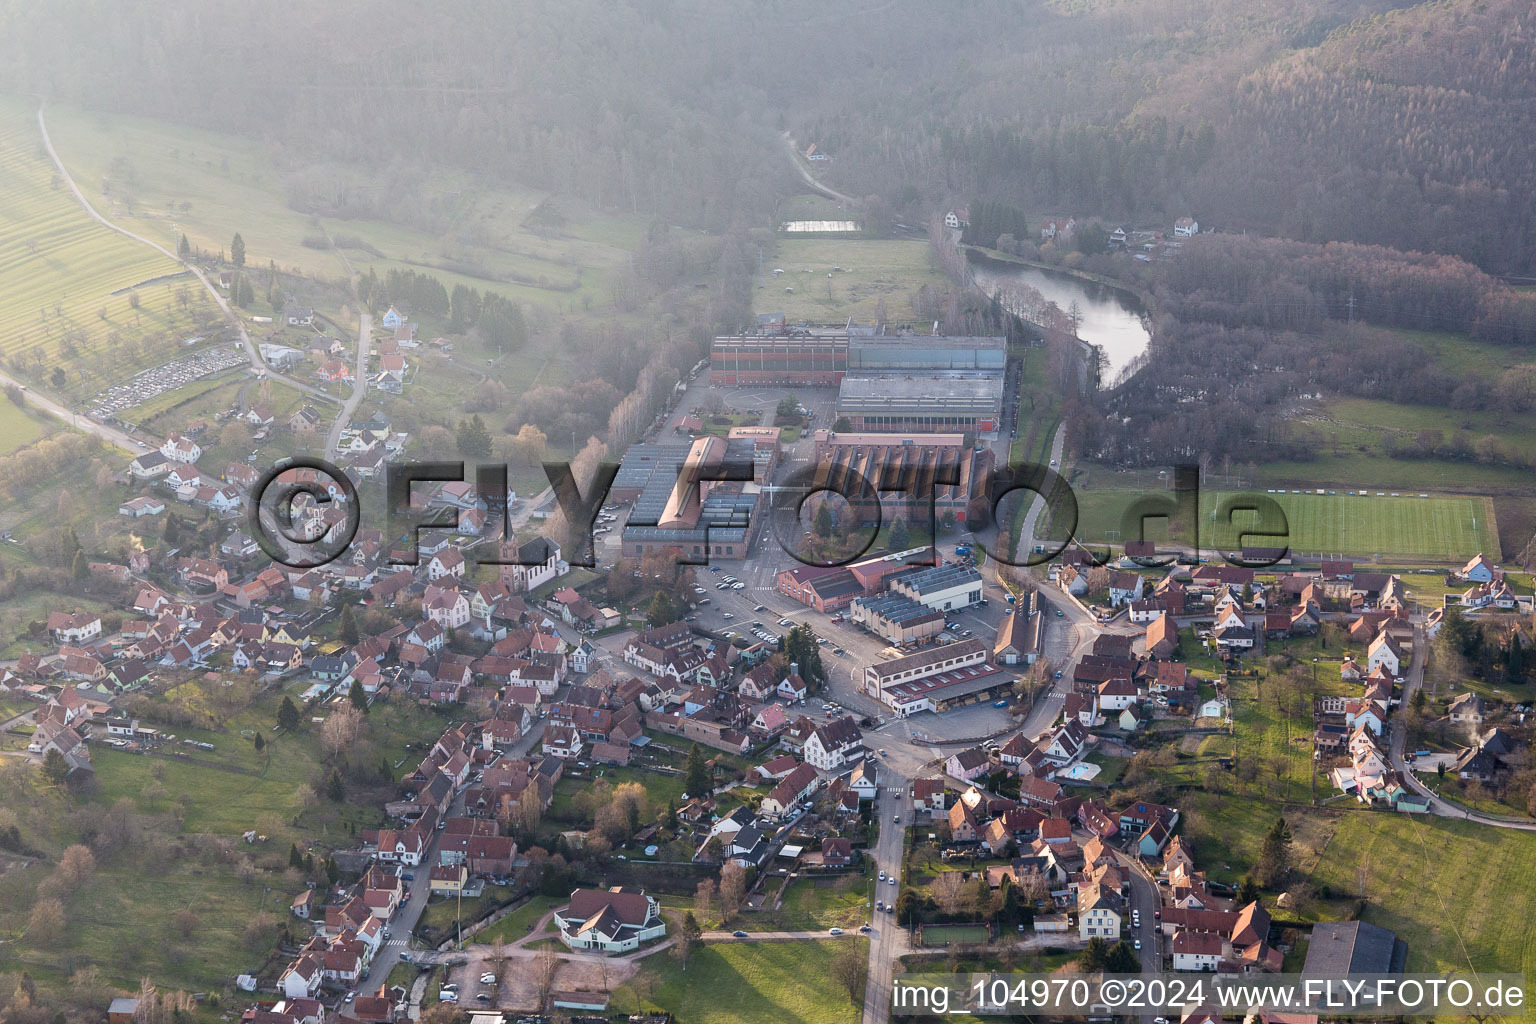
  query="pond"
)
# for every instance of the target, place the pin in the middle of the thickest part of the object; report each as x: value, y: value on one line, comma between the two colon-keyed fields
x: 1110, y: 318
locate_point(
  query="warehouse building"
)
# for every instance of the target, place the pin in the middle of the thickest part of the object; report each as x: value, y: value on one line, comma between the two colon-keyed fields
x: 779, y: 354
x: 677, y: 509
x: 805, y: 358
x: 923, y: 404
x: 937, y: 679
x: 908, y: 466
x: 897, y: 618
x: 943, y: 588
x: 892, y: 353
x: 832, y: 588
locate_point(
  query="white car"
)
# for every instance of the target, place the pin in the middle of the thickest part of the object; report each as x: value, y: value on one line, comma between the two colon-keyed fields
x: 487, y: 979
x: 738, y: 586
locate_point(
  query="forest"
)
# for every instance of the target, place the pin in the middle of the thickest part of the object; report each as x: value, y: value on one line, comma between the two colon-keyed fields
x: 1247, y: 327
x: 1365, y: 120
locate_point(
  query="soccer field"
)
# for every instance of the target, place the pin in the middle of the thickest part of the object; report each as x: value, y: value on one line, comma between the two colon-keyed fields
x: 1439, y: 526
x: 1442, y: 527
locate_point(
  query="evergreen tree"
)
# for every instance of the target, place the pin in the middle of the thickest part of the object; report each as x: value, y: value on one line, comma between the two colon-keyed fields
x: 1274, y: 856
x: 1095, y: 955
x: 669, y: 820
x: 79, y: 569
x: 1248, y: 892
x: 332, y: 871
x: 696, y: 776
x: 1122, y: 959
x: 823, y: 524
x: 237, y: 250
x: 259, y: 743
x: 464, y: 308
x: 55, y: 768
x: 183, y: 247
x: 172, y: 530
x: 358, y: 696
x: 842, y: 425
x: 899, y: 536
x: 288, y: 715
x: 335, y: 788
x: 500, y: 322
x: 1514, y: 659
x: 661, y: 610
x: 474, y: 439
x: 294, y: 858
x: 348, y: 626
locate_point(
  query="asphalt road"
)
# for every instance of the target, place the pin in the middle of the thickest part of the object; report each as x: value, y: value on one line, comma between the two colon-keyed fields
x: 78, y: 420
x: 887, y: 940
x: 359, y: 385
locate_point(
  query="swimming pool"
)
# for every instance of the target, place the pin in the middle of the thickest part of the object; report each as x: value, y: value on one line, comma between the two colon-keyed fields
x: 1080, y: 772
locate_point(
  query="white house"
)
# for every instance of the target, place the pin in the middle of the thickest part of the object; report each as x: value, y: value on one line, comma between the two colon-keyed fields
x: 1116, y: 694
x: 181, y: 449
x: 1098, y: 915
x: 1385, y: 652
x: 447, y: 608
x: 613, y: 920
x: 303, y: 977
x: 833, y: 745
x: 448, y: 562
x: 1124, y: 587
x: 1186, y: 227
x: 1197, y: 951
x: 538, y: 562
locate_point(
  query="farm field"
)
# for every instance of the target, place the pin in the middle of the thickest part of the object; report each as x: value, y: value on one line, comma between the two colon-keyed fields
x: 1444, y: 527
x: 745, y: 983
x: 78, y: 295
x: 873, y: 272
x: 162, y: 177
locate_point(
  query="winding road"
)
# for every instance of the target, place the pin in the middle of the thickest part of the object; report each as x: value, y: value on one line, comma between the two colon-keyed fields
x: 808, y: 177
x: 251, y: 352
x: 1437, y: 804
x: 79, y: 420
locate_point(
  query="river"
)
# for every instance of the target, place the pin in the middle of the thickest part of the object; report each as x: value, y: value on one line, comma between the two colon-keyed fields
x: 1110, y: 318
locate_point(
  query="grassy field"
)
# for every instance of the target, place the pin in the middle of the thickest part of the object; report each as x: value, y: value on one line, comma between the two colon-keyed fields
x: 20, y: 426
x: 162, y: 177
x: 872, y: 272
x: 811, y: 206
x: 1444, y: 527
x: 745, y: 983
x: 519, y: 922
x: 812, y: 904
x: 72, y: 283
x: 251, y: 790
x: 1412, y: 872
